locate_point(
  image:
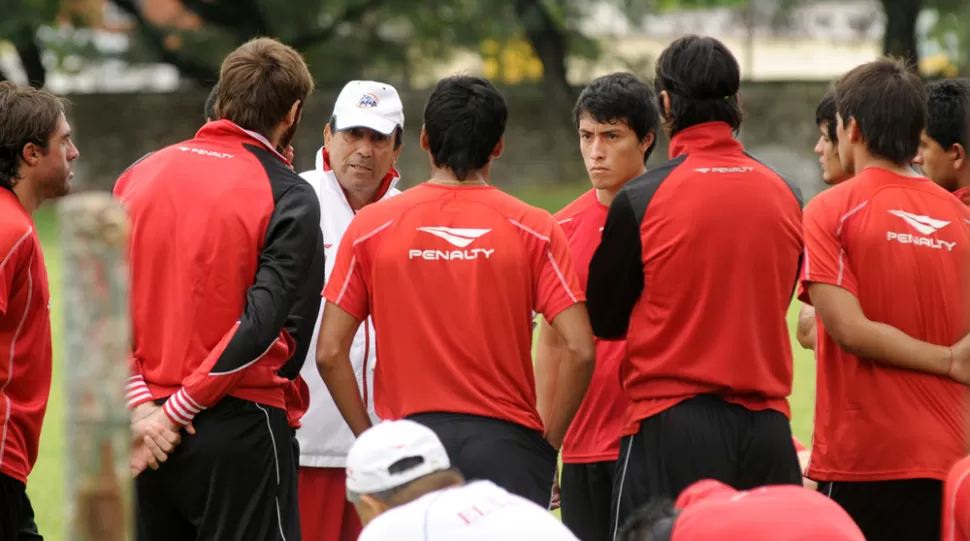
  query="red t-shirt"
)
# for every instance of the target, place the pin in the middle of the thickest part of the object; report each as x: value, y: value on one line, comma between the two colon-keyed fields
x: 25, y: 331
x: 901, y: 245
x: 712, y: 510
x: 956, y: 503
x: 451, y: 276
x: 963, y: 194
x: 594, y: 434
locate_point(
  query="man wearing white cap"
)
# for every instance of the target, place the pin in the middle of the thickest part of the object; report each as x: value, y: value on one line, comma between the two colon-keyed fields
x: 400, y: 479
x: 354, y: 168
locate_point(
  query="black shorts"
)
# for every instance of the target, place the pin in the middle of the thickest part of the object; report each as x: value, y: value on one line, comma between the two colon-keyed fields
x: 234, y: 480
x: 585, y: 492
x: 704, y: 437
x: 512, y: 456
x: 907, y: 509
x: 13, y: 494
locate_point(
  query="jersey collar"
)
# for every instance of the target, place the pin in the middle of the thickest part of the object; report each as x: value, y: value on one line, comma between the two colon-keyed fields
x: 223, y: 128
x: 708, y: 137
x: 963, y: 194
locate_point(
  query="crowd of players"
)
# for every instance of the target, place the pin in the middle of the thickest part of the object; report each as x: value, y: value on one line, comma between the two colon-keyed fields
x: 663, y: 364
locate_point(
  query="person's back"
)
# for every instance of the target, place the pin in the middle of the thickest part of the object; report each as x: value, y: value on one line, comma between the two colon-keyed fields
x: 696, y: 268
x: 450, y: 244
x: 886, y: 267
x: 189, y: 280
x: 226, y: 262
x: 451, y: 272
x: 479, y: 511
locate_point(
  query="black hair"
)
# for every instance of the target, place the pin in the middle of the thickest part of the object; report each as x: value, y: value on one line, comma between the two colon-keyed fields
x: 702, y: 79
x: 652, y: 522
x: 210, y: 104
x: 948, y: 107
x: 621, y: 97
x: 825, y: 114
x: 887, y: 100
x: 465, y: 119
x: 398, y: 132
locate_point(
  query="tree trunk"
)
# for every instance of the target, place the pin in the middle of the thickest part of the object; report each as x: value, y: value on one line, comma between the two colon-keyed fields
x: 29, y: 51
x: 93, y: 242
x: 549, y: 43
x: 899, y: 39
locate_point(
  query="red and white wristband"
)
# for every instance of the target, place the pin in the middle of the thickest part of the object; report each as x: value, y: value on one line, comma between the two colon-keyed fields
x: 181, y: 408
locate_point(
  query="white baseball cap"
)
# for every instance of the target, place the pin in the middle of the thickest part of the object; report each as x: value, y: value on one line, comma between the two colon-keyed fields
x: 368, y: 104
x: 379, y: 447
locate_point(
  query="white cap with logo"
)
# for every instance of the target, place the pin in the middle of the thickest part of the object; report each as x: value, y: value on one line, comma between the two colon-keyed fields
x: 381, y: 446
x: 368, y: 104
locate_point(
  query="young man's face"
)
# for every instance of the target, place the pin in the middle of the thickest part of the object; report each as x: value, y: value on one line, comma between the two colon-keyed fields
x: 52, y: 170
x: 360, y: 157
x: 611, y: 151
x: 828, y: 157
x: 936, y: 162
x: 844, y: 133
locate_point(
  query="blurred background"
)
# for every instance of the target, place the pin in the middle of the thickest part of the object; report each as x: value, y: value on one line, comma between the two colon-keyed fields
x: 137, y: 71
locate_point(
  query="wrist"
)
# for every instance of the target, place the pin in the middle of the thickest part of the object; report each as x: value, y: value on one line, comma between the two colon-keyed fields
x: 949, y: 369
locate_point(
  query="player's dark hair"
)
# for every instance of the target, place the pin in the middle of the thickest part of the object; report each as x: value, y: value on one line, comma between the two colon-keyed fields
x: 948, y: 112
x: 652, y: 522
x: 825, y: 114
x: 465, y: 119
x: 702, y: 78
x: 210, y: 104
x: 27, y: 115
x: 621, y: 97
x: 888, y: 102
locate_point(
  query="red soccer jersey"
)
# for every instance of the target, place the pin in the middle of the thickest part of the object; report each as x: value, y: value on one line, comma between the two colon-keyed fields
x: 712, y: 510
x: 963, y: 194
x: 25, y: 332
x: 594, y: 434
x: 901, y: 245
x: 451, y: 276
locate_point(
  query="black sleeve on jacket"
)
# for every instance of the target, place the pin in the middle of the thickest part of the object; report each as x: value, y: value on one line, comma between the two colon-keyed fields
x: 301, y: 323
x: 289, y: 249
x: 616, y: 271
x: 616, y: 278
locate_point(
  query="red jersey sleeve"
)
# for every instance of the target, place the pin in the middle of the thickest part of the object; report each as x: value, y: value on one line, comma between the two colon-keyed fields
x: 346, y: 287
x: 12, y: 240
x: 826, y: 261
x: 557, y: 287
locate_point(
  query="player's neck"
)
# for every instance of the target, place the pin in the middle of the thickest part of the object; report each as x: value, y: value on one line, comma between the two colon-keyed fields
x: 360, y: 199
x: 605, y: 196
x: 865, y: 160
x: 446, y: 177
x: 28, y: 196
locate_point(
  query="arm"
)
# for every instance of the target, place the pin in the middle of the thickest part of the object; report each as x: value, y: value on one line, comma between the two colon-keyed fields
x: 550, y: 354
x: 615, y: 280
x: 560, y: 301
x: 575, y: 370
x: 337, y: 332
x: 849, y: 327
x: 832, y: 288
x: 806, y: 327
x: 347, y: 306
x: 283, y: 266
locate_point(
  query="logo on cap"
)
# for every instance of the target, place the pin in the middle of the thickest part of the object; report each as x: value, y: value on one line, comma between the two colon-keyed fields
x: 367, y: 101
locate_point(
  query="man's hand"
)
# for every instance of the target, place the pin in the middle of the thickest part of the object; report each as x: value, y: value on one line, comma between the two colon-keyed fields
x: 154, y: 436
x: 556, y: 496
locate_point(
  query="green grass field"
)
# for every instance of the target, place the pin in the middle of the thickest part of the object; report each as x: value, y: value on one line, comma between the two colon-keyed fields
x: 46, y: 485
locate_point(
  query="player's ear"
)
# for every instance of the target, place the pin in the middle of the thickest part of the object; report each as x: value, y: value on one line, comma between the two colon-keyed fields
x: 370, y: 508
x: 959, y: 157
x: 424, y: 139
x: 327, y: 134
x: 497, y: 151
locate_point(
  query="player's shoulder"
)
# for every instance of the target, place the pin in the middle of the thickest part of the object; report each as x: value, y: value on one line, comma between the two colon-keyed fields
x: 401, y: 523
x: 577, y: 208
x: 841, y: 197
x: 16, y: 227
